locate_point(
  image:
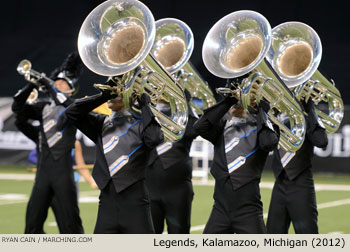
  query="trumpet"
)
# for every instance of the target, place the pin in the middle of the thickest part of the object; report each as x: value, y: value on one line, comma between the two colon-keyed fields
x: 25, y: 68
x: 115, y: 40
x: 173, y: 47
x: 295, y: 54
x: 235, y: 47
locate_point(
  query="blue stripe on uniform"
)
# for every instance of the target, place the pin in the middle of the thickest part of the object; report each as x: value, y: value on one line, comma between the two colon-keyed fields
x: 248, y: 155
x: 242, y: 137
x: 138, y: 147
x: 286, y: 158
x: 127, y: 130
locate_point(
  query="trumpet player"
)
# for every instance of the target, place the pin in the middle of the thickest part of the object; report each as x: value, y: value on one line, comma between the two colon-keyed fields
x: 293, y: 197
x: 241, y: 145
x: 123, y: 141
x: 55, y: 140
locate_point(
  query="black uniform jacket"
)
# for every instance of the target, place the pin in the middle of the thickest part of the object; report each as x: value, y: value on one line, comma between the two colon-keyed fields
x: 296, y: 163
x: 250, y: 144
x: 171, y: 154
x: 143, y: 133
x: 176, y: 153
x: 60, y: 131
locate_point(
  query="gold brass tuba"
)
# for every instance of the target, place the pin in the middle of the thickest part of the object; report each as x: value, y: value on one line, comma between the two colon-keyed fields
x: 295, y: 55
x: 173, y: 47
x: 236, y: 46
x: 116, y: 39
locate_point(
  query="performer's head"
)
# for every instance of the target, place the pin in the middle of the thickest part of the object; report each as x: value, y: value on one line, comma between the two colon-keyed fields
x: 63, y: 86
x: 237, y: 110
x: 66, y: 76
x: 116, y: 104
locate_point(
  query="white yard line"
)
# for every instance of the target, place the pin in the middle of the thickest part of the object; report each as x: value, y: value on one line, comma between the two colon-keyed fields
x: 12, y: 202
x: 331, y: 187
x: 269, y: 185
x: 333, y: 203
x: 201, y: 183
x: 86, y: 199
x: 14, y: 176
x: 197, y: 228
x: 319, y: 206
x: 52, y: 224
x: 318, y: 187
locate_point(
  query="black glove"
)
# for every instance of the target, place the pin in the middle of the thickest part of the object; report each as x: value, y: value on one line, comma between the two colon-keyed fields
x: 312, y: 118
x: 235, y: 82
x: 147, y: 114
x: 262, y: 120
x: 106, y: 92
x: 144, y: 100
x: 264, y: 105
x: 20, y: 98
x: 233, y: 85
x: 307, y: 105
x: 23, y: 93
x: 45, y: 82
x: 110, y: 82
x: 231, y: 100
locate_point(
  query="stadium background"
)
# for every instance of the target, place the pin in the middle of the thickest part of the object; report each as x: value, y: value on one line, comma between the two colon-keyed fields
x: 46, y: 32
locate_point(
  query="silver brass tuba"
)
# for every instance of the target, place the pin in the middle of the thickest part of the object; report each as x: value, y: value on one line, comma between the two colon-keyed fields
x: 173, y: 47
x: 116, y: 39
x: 295, y: 55
x: 236, y: 46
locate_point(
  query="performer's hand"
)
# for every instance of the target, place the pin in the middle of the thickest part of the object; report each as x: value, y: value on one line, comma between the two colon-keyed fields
x: 233, y: 83
x: 144, y: 100
x: 264, y: 105
x: 107, y: 89
x: 233, y: 86
x: 43, y: 81
x: 93, y: 185
x: 109, y: 93
x: 110, y: 82
x: 307, y: 105
x: 24, y: 92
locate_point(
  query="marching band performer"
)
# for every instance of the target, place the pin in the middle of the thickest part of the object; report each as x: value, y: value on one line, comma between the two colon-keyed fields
x: 123, y: 141
x: 293, y: 197
x: 56, y: 137
x: 32, y: 132
x: 241, y: 145
x: 169, y: 181
x: 78, y: 158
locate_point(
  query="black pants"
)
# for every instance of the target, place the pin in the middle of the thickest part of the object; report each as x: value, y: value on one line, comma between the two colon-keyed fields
x: 174, y: 206
x: 293, y: 201
x: 127, y: 212
x: 238, y: 211
x: 171, y: 195
x: 62, y: 188
x: 55, y: 206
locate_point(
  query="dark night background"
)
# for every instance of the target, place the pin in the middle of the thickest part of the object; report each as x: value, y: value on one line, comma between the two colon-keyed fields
x: 46, y: 31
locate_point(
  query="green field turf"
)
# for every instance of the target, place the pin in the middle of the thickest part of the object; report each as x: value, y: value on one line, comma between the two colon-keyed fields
x: 332, y: 219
